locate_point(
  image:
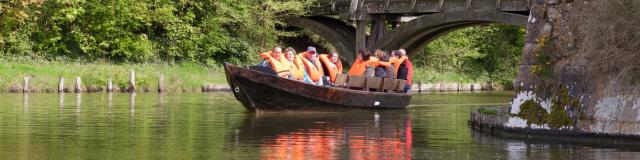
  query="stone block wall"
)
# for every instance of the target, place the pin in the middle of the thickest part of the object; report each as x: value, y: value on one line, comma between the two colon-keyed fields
x: 584, y: 46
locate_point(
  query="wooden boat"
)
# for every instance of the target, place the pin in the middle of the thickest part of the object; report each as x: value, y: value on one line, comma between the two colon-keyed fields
x: 259, y: 91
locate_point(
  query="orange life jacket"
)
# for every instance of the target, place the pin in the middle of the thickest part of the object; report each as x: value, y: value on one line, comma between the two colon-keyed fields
x: 397, y: 61
x: 314, y: 70
x: 332, y: 68
x: 279, y: 66
x: 357, y: 68
x: 297, y: 69
x: 375, y: 62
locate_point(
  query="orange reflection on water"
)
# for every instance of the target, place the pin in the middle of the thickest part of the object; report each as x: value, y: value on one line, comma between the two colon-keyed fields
x: 362, y: 143
x: 303, y: 145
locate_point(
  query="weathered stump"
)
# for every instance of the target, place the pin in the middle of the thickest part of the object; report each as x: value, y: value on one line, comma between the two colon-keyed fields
x: 78, y: 86
x: 61, y: 85
x: 161, y: 83
x: 132, y: 82
x: 25, y: 85
x: 109, y: 85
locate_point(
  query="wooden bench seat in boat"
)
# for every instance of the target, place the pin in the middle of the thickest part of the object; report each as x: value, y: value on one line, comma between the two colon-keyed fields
x: 374, y: 83
x: 389, y: 84
x: 400, y: 85
x: 356, y: 82
x: 341, y: 80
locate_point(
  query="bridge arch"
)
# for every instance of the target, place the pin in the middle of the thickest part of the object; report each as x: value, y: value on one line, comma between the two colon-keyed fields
x: 338, y: 33
x: 416, y: 34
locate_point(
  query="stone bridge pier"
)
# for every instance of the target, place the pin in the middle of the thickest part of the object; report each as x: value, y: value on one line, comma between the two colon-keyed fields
x: 350, y: 25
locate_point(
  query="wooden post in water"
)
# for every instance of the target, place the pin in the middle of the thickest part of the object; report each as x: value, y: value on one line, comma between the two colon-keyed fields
x: 161, y: 83
x: 25, y: 85
x: 61, y: 85
x: 78, y: 86
x: 132, y: 82
x: 109, y: 86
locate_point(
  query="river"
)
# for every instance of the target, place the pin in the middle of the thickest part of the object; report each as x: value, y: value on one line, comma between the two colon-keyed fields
x: 216, y: 126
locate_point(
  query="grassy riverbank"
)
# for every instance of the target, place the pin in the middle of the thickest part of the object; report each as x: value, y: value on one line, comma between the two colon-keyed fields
x: 45, y: 75
x: 183, y: 77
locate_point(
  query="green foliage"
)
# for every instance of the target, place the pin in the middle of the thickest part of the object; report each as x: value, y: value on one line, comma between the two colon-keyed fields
x: 483, y: 53
x: 533, y: 113
x: 488, y: 111
x: 558, y: 116
x: 143, y: 30
x: 543, y: 68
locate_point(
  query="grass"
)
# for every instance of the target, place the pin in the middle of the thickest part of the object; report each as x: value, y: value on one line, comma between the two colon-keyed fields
x: 488, y: 111
x: 427, y: 75
x: 183, y: 77
x: 45, y: 75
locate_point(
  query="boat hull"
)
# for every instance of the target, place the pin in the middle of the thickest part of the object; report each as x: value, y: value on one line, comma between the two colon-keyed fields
x: 260, y: 91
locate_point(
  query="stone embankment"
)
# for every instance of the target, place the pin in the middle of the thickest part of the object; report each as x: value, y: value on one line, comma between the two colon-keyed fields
x: 109, y: 87
x: 453, y: 87
x: 503, y: 125
x: 415, y: 88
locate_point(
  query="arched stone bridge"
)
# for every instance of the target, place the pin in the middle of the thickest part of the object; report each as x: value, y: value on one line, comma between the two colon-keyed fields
x: 411, y: 24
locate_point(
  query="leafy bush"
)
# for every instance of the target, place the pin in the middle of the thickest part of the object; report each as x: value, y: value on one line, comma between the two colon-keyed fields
x: 136, y: 31
x: 481, y: 53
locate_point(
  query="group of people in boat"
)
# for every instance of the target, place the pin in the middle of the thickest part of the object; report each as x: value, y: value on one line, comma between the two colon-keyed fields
x: 322, y: 69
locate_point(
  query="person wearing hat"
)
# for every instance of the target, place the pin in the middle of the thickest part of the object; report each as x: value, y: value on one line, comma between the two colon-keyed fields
x: 312, y: 65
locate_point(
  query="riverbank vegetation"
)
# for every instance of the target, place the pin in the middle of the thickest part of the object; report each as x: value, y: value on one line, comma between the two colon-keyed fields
x: 187, y: 41
x: 45, y: 75
x: 489, y: 53
x: 134, y: 31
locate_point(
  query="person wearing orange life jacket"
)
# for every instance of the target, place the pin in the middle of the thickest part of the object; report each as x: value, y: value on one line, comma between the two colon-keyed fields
x: 395, y: 59
x: 331, y: 65
x: 358, y: 67
x: 373, y: 63
x: 405, y: 70
x: 382, y: 64
x: 276, y: 62
x: 312, y: 65
x: 296, y: 67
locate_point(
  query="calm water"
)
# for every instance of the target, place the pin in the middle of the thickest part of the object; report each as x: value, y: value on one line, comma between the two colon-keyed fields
x: 215, y: 126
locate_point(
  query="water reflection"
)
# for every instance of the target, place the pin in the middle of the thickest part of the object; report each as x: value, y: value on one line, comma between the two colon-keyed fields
x: 25, y: 102
x: 78, y: 107
x: 61, y: 100
x: 520, y: 146
x: 215, y: 126
x: 345, y: 135
x: 132, y: 109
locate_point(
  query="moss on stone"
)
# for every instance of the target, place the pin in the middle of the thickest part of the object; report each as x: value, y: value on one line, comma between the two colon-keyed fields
x: 562, y: 109
x: 533, y: 113
x: 559, y: 117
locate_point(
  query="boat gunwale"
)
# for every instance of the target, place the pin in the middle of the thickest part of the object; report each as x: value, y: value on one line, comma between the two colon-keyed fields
x: 311, y: 85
